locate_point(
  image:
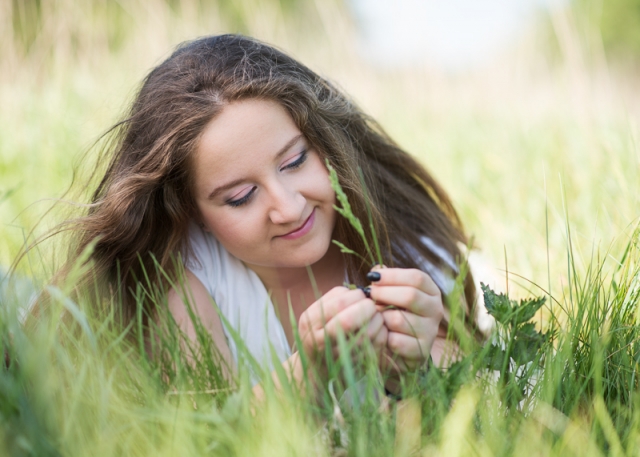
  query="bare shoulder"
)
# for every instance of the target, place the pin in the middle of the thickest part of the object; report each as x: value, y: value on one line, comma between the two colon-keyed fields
x: 192, y: 293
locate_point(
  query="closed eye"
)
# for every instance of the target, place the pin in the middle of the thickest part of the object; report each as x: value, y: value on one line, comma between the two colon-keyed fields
x: 299, y: 161
x: 242, y: 200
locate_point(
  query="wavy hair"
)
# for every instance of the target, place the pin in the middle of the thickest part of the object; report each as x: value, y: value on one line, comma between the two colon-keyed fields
x: 142, y: 206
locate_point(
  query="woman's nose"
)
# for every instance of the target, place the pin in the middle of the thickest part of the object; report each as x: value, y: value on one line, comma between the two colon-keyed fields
x: 287, y: 205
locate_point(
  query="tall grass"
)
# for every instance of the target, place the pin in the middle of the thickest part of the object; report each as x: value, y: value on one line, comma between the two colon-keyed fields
x: 539, y: 153
x: 77, y: 383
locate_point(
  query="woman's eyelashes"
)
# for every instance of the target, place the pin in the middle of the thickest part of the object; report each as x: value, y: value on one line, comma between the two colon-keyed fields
x: 242, y: 200
x: 302, y: 157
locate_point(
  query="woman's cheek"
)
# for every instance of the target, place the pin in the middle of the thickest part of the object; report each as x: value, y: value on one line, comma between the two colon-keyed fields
x: 236, y: 229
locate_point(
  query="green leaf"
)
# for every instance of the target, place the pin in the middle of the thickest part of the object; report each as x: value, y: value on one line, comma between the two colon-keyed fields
x: 498, y: 305
x: 528, y: 308
x: 494, y: 359
x: 346, y: 250
x: 528, y: 344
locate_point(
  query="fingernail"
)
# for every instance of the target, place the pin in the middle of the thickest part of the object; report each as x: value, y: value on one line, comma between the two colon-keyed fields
x: 366, y: 291
x: 373, y: 276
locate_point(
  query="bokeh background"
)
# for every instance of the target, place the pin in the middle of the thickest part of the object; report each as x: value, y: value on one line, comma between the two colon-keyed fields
x: 526, y: 111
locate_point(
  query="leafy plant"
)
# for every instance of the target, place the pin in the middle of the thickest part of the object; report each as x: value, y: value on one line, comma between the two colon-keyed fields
x: 517, y: 349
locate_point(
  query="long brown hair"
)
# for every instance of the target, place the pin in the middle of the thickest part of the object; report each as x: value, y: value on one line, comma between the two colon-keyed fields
x: 141, y: 208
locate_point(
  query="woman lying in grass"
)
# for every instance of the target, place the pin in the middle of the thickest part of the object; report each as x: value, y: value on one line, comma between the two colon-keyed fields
x: 222, y: 163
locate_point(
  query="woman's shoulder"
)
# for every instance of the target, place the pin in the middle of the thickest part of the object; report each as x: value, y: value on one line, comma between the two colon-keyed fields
x: 225, y: 277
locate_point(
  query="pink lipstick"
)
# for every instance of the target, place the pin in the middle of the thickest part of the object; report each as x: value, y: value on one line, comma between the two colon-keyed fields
x: 302, y: 230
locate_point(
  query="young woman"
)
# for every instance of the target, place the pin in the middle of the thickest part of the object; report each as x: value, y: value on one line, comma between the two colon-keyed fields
x: 221, y: 163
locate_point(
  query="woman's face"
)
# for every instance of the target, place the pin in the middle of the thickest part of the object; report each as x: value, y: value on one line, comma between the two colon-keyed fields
x: 261, y: 189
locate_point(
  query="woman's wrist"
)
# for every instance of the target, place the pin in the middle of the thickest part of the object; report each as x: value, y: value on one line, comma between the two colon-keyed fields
x: 295, y: 376
x: 305, y: 379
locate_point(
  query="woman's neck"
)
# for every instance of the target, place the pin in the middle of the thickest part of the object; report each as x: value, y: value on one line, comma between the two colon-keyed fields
x: 300, y: 287
x: 326, y: 273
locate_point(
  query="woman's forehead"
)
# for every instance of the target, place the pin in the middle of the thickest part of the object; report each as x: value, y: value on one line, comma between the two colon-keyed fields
x: 245, y: 135
x: 248, y: 125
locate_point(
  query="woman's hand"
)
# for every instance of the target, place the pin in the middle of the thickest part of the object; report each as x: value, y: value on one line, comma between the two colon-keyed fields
x: 349, y: 310
x: 340, y: 308
x: 411, y: 306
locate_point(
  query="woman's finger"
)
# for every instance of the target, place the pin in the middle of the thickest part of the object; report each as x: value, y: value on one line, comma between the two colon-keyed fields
x: 408, y: 347
x: 329, y: 305
x: 374, y: 334
x: 313, y: 342
x: 358, y: 316
x: 408, y: 298
x: 408, y: 323
x: 379, y: 340
x: 406, y: 277
x: 375, y: 325
x: 352, y: 318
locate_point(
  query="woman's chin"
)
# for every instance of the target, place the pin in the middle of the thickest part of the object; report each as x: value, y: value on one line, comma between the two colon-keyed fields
x: 299, y: 263
x: 302, y: 261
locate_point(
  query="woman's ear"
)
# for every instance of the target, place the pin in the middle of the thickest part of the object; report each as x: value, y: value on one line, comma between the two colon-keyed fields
x: 203, y: 226
x: 199, y: 220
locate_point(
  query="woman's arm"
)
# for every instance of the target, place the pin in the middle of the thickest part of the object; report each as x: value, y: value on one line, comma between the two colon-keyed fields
x: 347, y: 309
x: 202, y: 305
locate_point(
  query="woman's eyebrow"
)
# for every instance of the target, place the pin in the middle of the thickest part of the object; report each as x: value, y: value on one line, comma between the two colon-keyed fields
x: 287, y: 146
x: 235, y: 182
x: 224, y: 187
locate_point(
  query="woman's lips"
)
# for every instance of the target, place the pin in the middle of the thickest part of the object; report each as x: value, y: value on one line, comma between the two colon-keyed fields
x: 303, y: 230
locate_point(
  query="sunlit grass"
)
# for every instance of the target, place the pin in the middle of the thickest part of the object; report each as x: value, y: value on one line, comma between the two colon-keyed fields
x: 541, y: 157
x: 77, y: 383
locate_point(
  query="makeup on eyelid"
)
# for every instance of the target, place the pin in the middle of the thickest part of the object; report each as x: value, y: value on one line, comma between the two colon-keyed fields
x: 235, y: 201
x: 300, y: 158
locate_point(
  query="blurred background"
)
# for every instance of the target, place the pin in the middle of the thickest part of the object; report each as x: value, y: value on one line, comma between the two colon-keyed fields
x: 526, y: 111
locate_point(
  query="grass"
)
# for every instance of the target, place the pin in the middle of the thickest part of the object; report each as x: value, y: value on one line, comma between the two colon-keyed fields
x: 540, y: 156
x: 82, y: 386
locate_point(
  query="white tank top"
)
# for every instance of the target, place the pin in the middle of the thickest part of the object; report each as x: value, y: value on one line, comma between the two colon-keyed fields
x: 248, y: 315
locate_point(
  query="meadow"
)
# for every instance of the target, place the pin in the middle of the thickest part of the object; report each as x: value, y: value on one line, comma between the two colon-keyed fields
x: 539, y: 150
